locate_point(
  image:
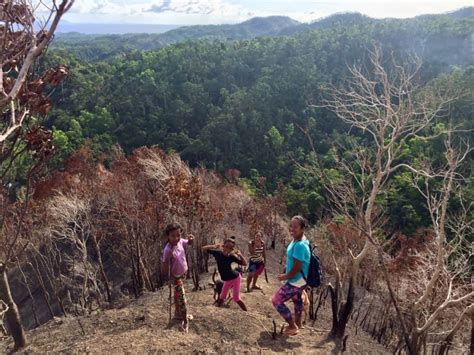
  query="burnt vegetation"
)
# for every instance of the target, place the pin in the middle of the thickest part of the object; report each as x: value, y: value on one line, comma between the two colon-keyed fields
x: 371, y: 142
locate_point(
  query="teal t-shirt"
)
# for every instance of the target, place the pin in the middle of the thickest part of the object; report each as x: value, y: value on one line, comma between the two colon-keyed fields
x: 298, y: 250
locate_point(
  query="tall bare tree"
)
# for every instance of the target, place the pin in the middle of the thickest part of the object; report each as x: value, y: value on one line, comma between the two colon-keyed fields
x: 440, y: 281
x: 24, y: 36
x: 70, y: 221
x: 386, y: 105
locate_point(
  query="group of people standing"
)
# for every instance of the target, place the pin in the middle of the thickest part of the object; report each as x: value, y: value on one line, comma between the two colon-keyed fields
x: 226, y: 254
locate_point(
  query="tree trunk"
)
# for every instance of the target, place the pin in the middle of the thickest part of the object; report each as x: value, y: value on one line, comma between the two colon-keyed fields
x: 32, y: 299
x: 13, y: 315
x: 448, y: 340
x: 140, y: 277
x: 85, y: 283
x: 101, y: 267
x: 415, y: 343
x: 394, y: 302
x: 322, y: 297
x: 345, y: 312
x: 146, y: 276
x: 446, y: 344
x: 472, y: 334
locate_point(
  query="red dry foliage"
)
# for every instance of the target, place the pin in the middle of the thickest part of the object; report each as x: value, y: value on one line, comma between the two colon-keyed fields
x: 405, y: 247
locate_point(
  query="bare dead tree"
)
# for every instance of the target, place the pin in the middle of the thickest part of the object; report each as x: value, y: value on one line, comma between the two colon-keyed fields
x: 23, y: 39
x: 441, y: 279
x: 22, y: 43
x: 188, y: 196
x: 70, y: 221
x: 99, y: 208
x: 388, y: 107
x: 3, y: 310
x: 471, y: 347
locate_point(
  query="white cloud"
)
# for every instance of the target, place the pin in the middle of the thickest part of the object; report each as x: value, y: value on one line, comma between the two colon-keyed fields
x: 203, y: 7
x: 306, y: 11
x: 105, y: 7
x: 190, y: 7
x: 233, y: 11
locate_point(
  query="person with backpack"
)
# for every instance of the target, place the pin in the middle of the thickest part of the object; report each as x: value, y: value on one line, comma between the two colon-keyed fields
x: 298, y: 257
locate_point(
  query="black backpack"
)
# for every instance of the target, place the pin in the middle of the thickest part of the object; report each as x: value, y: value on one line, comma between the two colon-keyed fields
x: 315, y: 271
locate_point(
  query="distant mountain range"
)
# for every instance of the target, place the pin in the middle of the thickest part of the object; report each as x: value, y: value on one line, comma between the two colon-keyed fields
x: 100, y: 41
x: 255, y: 27
x: 111, y: 28
x: 258, y: 26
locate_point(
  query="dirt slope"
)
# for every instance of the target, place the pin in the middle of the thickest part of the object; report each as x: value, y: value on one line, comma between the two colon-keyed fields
x: 141, y: 326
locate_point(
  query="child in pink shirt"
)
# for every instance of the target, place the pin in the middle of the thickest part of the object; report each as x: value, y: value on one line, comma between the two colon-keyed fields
x: 175, y: 265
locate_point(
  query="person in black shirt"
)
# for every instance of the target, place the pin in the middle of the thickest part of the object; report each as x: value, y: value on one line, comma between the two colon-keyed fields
x: 225, y: 255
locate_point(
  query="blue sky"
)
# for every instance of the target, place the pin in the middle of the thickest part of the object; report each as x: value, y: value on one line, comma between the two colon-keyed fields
x: 191, y: 12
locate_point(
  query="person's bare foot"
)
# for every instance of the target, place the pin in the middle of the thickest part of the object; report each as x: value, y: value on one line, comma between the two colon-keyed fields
x: 187, y: 316
x: 299, y: 323
x: 185, y: 326
x: 255, y: 287
x: 290, y: 331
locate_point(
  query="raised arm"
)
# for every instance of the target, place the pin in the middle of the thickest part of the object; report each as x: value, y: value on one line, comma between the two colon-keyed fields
x: 190, y: 239
x: 211, y: 247
x: 240, y: 257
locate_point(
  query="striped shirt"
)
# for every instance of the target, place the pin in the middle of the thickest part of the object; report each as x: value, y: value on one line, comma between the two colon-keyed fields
x: 257, y: 255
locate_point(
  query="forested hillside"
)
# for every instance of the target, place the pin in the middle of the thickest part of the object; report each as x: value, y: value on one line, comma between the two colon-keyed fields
x: 105, y: 46
x: 120, y: 155
x: 243, y: 104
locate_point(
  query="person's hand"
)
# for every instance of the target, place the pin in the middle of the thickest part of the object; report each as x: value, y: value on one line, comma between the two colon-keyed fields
x: 190, y: 238
x: 282, y: 277
x: 238, y: 253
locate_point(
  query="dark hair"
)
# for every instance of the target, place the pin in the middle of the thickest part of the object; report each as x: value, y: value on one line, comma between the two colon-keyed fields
x: 171, y: 227
x: 301, y: 220
x: 230, y: 239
